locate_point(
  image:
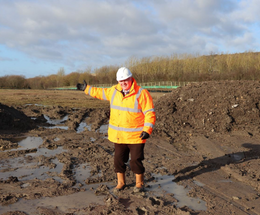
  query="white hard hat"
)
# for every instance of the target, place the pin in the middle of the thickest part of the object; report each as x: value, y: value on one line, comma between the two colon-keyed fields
x: 123, y: 73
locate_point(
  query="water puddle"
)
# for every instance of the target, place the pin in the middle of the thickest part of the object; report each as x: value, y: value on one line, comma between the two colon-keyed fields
x: 47, y: 152
x: 103, y: 129
x: 19, y: 168
x: 62, y: 203
x: 25, y: 167
x: 92, y: 139
x: 27, y: 142
x: 81, y: 173
x: 180, y: 193
x: 199, y: 183
x: 238, y: 156
x: 35, y: 142
x: 83, y: 125
x: 60, y: 127
x: 56, y: 121
x: 39, y: 105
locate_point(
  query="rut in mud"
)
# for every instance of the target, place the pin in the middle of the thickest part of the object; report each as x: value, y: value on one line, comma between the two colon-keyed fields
x: 205, y: 139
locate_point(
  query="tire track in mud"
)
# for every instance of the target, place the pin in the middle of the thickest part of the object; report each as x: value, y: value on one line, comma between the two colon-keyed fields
x: 219, y: 179
x: 243, y: 208
x: 232, y: 194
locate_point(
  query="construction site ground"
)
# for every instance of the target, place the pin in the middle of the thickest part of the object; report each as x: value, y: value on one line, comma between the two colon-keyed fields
x: 202, y: 157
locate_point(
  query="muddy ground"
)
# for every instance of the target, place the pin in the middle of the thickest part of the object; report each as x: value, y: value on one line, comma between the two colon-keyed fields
x: 202, y: 158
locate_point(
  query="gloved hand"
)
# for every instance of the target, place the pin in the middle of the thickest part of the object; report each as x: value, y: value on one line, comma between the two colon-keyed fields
x: 144, y: 135
x: 82, y: 86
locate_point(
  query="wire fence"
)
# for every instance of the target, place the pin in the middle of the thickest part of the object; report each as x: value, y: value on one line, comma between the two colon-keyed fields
x: 153, y: 86
x: 162, y: 84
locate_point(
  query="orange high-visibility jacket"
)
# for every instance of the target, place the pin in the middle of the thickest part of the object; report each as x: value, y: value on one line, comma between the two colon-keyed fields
x: 129, y: 115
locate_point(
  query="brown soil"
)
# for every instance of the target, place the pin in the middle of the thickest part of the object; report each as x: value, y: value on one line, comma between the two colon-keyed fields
x: 206, y: 140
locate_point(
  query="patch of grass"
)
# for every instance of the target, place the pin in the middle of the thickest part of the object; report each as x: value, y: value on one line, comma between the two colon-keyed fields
x: 65, y: 98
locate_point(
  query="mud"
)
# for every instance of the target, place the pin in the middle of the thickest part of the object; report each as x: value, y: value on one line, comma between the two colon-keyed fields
x: 202, y: 158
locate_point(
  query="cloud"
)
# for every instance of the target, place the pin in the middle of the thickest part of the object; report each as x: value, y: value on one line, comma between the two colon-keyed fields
x: 41, y: 25
x: 99, y: 32
x: 5, y: 59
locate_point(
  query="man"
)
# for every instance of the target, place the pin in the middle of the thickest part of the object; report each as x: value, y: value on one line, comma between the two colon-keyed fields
x: 132, y: 118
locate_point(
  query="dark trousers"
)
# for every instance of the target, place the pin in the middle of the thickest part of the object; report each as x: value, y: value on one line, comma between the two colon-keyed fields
x: 122, y: 156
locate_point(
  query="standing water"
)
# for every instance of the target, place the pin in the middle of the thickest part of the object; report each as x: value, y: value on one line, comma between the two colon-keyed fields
x: 180, y: 193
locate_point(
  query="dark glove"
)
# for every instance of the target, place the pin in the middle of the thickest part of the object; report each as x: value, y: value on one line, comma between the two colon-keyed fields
x: 82, y: 86
x: 144, y: 135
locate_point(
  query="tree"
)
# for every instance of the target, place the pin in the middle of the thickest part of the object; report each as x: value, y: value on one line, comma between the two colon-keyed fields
x: 60, y: 76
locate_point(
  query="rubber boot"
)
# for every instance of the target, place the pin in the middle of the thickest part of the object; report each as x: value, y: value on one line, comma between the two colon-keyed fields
x: 139, y: 185
x: 120, y: 182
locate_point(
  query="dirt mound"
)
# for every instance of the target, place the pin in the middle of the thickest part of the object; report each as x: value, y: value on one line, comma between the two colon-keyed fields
x: 209, y: 107
x: 13, y: 119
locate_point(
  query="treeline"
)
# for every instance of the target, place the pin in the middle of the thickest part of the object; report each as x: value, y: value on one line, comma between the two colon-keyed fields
x: 183, y: 68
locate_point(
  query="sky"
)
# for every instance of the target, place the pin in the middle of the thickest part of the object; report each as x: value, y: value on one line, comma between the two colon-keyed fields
x: 40, y: 37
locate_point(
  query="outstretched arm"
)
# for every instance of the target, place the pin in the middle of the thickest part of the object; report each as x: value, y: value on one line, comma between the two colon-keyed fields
x: 95, y: 92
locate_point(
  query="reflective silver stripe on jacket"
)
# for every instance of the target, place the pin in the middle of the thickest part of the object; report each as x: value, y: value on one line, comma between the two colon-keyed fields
x: 133, y: 110
x: 149, y: 110
x: 89, y: 89
x: 125, y: 129
x: 148, y: 124
x: 104, y: 95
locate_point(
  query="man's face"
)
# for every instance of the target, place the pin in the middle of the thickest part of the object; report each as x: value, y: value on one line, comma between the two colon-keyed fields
x: 126, y: 84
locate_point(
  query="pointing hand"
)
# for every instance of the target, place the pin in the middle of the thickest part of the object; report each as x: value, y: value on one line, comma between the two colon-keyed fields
x: 82, y: 86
